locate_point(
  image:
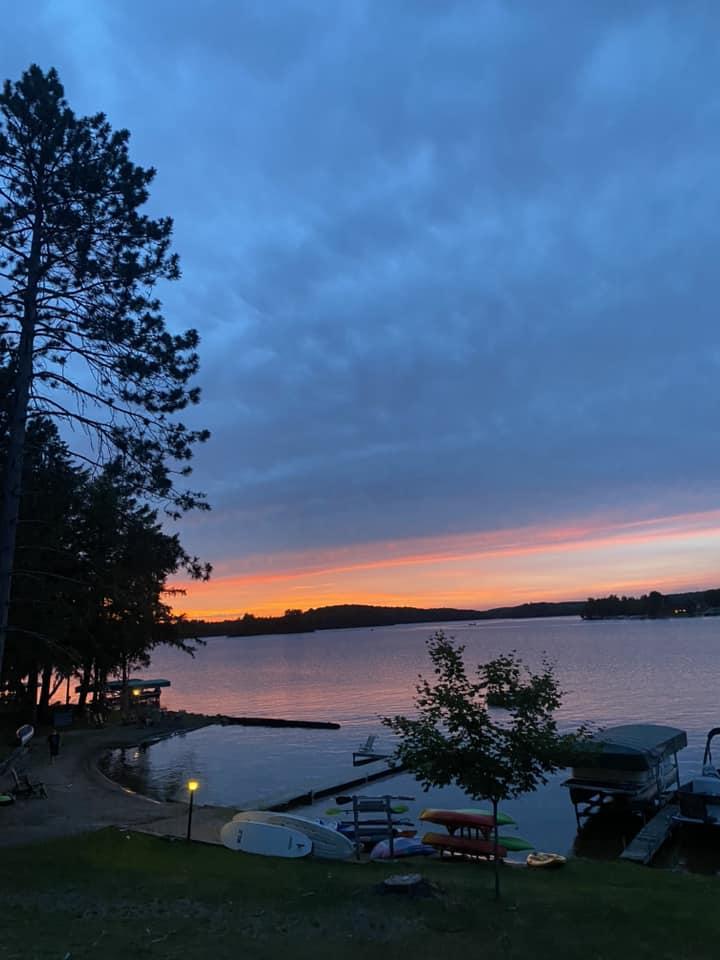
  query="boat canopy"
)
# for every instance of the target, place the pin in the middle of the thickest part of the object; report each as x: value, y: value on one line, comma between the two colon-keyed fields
x: 635, y: 746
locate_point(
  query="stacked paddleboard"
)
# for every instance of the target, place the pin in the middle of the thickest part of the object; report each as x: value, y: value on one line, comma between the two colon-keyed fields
x: 265, y: 839
x: 284, y: 835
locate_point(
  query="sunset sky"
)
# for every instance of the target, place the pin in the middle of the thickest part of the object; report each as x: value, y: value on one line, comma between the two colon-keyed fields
x: 473, y: 570
x: 455, y: 270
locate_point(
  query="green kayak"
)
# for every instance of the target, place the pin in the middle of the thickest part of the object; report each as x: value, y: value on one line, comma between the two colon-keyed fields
x: 515, y: 843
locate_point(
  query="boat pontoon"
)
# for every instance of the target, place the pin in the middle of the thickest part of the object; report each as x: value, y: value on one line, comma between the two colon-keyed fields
x: 634, y: 764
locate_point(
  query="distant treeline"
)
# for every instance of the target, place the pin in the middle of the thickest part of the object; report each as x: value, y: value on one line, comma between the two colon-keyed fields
x: 654, y: 605
x: 348, y: 615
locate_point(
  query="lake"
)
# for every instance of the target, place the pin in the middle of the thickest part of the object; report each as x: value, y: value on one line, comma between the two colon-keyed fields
x: 665, y: 671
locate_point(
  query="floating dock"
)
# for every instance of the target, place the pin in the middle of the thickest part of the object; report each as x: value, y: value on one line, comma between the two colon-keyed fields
x: 644, y: 847
x: 368, y: 754
x: 305, y: 799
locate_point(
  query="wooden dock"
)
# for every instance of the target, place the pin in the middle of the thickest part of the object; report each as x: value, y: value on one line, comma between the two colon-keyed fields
x: 644, y: 847
x: 305, y: 799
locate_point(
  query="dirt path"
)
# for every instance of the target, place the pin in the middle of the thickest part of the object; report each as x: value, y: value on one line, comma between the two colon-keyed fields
x: 80, y: 798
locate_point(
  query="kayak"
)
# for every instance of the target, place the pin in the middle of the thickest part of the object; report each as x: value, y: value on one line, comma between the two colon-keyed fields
x: 350, y: 824
x: 338, y: 811
x: 402, y: 847
x: 372, y: 836
x: 368, y: 830
x: 515, y: 843
x: 454, y: 820
x: 546, y: 860
x: 503, y: 819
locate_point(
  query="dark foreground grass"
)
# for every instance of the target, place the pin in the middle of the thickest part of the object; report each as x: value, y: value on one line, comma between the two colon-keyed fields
x: 113, y: 895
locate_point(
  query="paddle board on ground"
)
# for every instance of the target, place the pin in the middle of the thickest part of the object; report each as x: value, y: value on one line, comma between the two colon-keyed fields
x: 265, y: 839
x: 327, y: 843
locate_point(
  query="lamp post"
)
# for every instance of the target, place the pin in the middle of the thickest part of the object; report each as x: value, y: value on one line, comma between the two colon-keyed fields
x: 192, y: 787
x: 135, y: 712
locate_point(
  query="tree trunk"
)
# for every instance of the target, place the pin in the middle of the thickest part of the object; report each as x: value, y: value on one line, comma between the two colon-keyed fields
x: 85, y: 679
x: 125, y: 695
x: 99, y: 681
x: 496, y: 863
x: 59, y: 680
x: 31, y: 697
x: 12, y: 475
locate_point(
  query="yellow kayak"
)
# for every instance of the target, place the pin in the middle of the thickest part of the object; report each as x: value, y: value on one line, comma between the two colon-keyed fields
x: 545, y: 860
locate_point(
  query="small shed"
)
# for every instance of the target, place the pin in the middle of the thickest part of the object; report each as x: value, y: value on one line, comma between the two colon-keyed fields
x: 140, y: 692
x: 144, y: 693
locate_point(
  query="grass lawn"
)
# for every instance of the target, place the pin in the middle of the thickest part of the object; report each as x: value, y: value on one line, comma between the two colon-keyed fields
x: 114, y: 895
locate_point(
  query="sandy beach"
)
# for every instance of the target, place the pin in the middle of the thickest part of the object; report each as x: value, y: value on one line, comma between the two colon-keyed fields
x: 80, y: 798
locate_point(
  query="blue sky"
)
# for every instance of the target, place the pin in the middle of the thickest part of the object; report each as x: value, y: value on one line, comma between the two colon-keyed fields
x: 453, y: 264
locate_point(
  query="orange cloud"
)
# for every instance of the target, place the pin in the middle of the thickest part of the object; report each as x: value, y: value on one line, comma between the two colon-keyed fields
x: 490, y: 568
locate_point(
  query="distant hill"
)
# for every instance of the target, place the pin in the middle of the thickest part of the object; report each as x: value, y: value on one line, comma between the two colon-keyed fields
x: 346, y: 615
x: 343, y: 616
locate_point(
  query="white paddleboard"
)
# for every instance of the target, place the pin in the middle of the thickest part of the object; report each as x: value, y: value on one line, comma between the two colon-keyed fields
x: 327, y: 843
x: 267, y: 839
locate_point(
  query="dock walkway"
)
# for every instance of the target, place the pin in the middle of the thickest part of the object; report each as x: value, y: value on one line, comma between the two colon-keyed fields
x: 643, y: 848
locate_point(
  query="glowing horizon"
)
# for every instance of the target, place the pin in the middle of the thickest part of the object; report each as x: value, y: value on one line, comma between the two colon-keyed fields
x: 589, y: 557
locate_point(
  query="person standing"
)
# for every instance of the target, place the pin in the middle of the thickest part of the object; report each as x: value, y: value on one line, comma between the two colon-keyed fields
x: 54, y: 745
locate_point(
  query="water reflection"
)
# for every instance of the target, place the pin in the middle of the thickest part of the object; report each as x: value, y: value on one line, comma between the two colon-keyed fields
x: 612, y: 672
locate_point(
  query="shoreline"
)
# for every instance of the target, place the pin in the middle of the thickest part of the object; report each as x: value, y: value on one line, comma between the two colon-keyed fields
x: 81, y: 798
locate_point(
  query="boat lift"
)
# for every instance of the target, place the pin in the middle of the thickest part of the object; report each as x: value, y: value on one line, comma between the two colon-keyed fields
x: 634, y: 765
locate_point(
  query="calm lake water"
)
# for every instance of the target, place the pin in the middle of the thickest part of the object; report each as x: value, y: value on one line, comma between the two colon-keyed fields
x: 613, y: 672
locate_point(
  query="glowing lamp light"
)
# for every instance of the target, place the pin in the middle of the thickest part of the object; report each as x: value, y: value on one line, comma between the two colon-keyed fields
x: 192, y: 786
x: 136, y: 692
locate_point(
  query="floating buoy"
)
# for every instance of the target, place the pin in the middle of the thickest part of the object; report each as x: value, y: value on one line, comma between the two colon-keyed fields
x: 547, y: 860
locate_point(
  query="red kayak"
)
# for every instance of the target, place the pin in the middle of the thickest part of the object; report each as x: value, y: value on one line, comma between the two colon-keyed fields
x: 454, y: 820
x: 464, y: 845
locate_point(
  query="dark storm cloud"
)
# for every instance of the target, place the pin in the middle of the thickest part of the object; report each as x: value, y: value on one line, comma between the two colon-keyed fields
x: 454, y: 264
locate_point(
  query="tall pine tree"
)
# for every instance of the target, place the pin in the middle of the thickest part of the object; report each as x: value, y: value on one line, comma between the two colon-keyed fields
x: 80, y: 327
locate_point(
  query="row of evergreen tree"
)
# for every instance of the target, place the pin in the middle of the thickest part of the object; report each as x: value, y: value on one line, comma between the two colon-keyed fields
x: 90, y: 595
x: 85, y: 355
x: 653, y: 605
